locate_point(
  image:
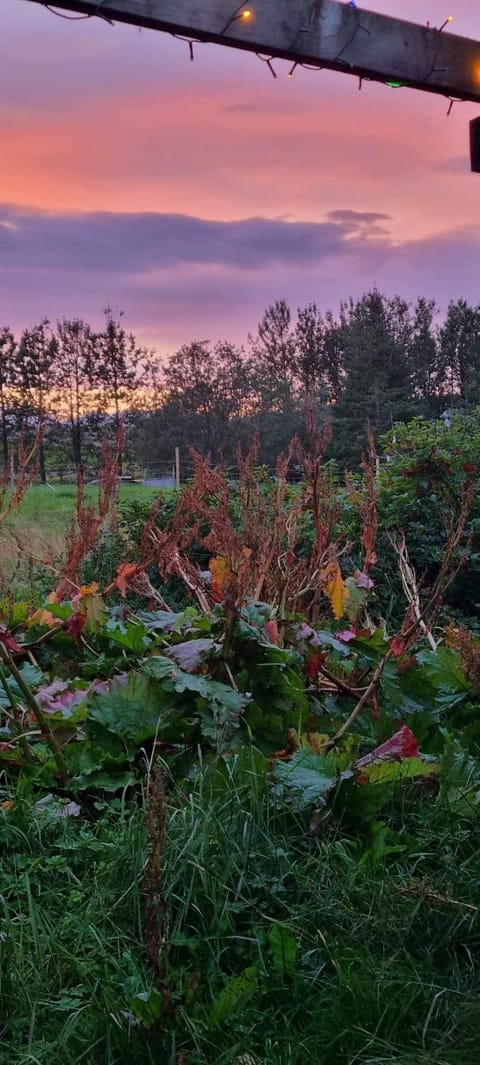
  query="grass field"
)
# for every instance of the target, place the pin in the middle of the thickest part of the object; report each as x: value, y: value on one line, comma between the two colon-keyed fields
x: 282, y: 948
x: 37, y: 530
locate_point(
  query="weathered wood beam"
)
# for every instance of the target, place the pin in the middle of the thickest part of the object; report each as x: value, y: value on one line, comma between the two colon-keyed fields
x: 321, y: 33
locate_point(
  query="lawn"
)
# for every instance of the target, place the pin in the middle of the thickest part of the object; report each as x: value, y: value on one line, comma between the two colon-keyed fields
x: 36, y: 532
x: 278, y: 947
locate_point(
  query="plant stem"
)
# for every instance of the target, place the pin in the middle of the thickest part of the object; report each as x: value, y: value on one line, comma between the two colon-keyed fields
x: 38, y: 714
x: 14, y: 716
x: 361, y: 702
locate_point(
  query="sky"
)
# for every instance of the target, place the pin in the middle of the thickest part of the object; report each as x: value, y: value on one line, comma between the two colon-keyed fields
x: 190, y: 195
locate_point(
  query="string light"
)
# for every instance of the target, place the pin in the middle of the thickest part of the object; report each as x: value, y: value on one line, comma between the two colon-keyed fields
x: 246, y: 14
x: 268, y: 60
x: 241, y: 14
x: 189, y: 42
x: 451, y: 104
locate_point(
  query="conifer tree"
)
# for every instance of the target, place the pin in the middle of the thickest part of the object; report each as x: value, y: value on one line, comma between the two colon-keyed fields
x: 377, y: 388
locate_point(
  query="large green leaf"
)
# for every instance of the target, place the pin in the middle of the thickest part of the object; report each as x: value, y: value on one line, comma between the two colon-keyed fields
x: 308, y: 775
x: 460, y: 781
x: 147, y: 1007
x: 283, y: 947
x: 220, y: 696
x: 131, y: 708
x: 130, y: 636
x: 32, y: 676
x: 104, y: 780
x: 162, y: 620
x: 233, y: 995
x: 444, y: 669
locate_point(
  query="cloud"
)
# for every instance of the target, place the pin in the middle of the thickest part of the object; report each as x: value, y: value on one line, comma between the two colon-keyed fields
x: 179, y: 276
x: 360, y: 223
x: 135, y: 243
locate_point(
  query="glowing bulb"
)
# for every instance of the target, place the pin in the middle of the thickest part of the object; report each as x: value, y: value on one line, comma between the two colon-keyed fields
x: 447, y: 22
x: 246, y: 14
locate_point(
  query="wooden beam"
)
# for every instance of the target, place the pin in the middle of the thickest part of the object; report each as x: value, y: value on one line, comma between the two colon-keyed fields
x: 321, y: 33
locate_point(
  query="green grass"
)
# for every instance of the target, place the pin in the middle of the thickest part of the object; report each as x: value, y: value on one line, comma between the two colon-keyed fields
x: 70, y: 956
x: 37, y: 531
x: 51, y: 509
x: 348, y: 965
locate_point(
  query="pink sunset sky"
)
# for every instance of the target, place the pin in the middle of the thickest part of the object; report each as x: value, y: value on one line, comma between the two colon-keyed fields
x: 191, y: 195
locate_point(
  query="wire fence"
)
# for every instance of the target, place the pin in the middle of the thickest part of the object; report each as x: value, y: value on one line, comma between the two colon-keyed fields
x: 170, y: 474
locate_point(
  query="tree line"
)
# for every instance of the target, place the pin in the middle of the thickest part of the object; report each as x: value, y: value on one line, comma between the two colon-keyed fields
x: 377, y: 361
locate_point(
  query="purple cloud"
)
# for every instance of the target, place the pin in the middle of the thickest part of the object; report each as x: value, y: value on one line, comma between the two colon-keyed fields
x: 125, y: 243
x: 177, y: 277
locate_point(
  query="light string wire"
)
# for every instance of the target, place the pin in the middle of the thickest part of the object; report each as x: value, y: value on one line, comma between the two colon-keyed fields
x: 98, y: 13
x: 238, y: 13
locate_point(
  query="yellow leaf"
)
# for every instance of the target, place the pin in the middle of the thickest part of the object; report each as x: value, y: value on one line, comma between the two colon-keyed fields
x: 336, y: 589
x: 88, y: 589
x: 94, y: 611
x: 314, y: 741
x: 220, y: 570
x: 42, y: 617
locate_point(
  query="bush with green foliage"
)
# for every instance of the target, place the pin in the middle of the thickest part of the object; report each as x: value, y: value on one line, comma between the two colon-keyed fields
x: 431, y: 468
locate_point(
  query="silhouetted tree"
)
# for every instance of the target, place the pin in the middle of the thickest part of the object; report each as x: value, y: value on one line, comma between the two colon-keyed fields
x: 35, y: 378
x: 460, y: 353
x: 119, y: 367
x: 377, y: 388
x: 75, y: 377
x: 7, y: 379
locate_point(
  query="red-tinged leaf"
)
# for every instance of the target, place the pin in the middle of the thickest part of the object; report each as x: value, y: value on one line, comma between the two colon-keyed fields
x: 346, y: 635
x: 362, y: 580
x: 57, y: 698
x: 8, y: 641
x: 76, y: 624
x: 190, y: 655
x: 397, y: 646
x: 42, y: 617
x: 272, y: 630
x: 125, y: 574
x: 401, y: 745
x: 313, y: 664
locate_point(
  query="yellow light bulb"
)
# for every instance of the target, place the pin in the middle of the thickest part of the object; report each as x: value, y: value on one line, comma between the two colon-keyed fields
x: 246, y: 14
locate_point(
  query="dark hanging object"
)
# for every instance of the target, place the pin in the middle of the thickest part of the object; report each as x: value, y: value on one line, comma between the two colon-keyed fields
x: 475, y: 145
